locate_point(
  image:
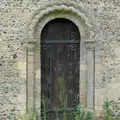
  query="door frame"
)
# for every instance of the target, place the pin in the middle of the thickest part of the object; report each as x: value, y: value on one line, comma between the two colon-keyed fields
x: 33, y: 75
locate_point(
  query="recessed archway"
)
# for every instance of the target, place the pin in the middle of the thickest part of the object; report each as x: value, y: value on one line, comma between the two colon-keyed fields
x: 35, y: 29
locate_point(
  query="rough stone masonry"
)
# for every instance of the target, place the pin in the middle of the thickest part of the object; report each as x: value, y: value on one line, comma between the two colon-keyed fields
x: 16, y: 17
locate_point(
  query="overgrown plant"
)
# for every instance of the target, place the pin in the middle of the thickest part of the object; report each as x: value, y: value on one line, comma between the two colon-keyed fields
x: 108, y: 110
x: 64, y: 116
x: 78, y: 113
x: 81, y: 114
x: 43, y: 112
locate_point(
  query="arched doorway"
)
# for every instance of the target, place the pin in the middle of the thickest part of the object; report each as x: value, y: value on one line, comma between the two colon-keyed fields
x: 60, y: 72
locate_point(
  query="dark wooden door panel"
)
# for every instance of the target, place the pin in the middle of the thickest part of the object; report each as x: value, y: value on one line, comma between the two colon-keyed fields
x: 60, y: 29
x: 60, y: 58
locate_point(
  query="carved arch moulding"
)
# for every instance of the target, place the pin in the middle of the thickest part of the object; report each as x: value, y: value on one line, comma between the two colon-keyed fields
x: 39, y: 19
x: 42, y: 16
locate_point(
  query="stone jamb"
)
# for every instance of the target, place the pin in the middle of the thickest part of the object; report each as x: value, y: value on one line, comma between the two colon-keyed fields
x: 90, y: 46
x: 30, y: 75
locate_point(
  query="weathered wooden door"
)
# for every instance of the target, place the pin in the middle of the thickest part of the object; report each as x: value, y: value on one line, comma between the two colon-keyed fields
x: 60, y: 58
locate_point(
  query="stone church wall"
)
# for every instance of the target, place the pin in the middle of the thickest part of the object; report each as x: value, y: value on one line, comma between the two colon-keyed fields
x: 15, y: 17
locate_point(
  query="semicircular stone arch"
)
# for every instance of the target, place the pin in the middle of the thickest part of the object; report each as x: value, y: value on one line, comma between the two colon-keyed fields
x: 40, y: 18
